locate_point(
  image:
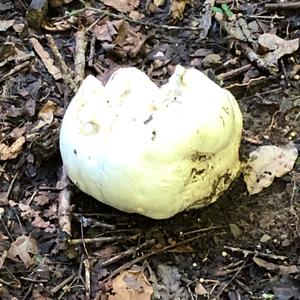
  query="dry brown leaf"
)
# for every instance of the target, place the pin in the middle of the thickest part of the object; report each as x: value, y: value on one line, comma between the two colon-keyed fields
x: 129, y: 41
x: 26, y: 210
x: 39, y: 222
x: 102, y: 33
x: 200, y: 289
x: 11, y: 152
x: 281, y: 269
x: 47, y: 111
x: 41, y: 199
x: 29, y: 213
x: 124, y: 6
x: 46, y: 59
x: 237, y: 28
x: 272, y: 42
x: 266, y: 163
x: 131, y: 285
x: 5, y: 24
x: 276, y: 47
x: 25, y: 248
x: 177, y: 8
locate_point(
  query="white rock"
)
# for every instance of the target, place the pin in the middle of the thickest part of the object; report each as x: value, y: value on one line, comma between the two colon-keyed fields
x: 150, y: 150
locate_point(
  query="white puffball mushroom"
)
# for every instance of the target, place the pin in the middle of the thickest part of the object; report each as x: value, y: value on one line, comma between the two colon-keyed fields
x: 152, y: 150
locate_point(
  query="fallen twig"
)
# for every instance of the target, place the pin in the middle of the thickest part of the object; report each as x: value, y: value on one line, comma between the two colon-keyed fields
x: 87, y: 268
x: 67, y: 74
x: 283, y: 5
x: 126, y: 253
x: 79, y: 60
x: 235, y: 72
x: 255, y: 253
x: 64, y: 204
x: 201, y: 230
x: 62, y: 284
x: 95, y: 240
x: 231, y: 279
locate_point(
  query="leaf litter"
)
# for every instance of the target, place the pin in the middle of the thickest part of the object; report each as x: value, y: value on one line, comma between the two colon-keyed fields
x: 52, y: 248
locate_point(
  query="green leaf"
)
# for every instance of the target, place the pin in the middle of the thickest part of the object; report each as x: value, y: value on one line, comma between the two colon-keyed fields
x: 216, y: 9
x: 227, y: 10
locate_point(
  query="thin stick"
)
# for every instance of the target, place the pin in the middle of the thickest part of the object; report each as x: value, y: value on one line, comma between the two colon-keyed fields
x: 62, y: 284
x: 67, y: 74
x: 64, y: 204
x: 79, y: 60
x: 95, y: 240
x: 235, y: 72
x: 87, y: 268
x: 283, y: 6
x: 126, y: 253
x: 255, y: 253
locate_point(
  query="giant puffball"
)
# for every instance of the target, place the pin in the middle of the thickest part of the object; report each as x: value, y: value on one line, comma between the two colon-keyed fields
x: 152, y: 150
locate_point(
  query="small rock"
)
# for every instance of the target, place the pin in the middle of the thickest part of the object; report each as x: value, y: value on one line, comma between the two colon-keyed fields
x: 265, y: 238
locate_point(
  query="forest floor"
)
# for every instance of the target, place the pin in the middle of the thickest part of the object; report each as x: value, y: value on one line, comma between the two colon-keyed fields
x: 241, y: 247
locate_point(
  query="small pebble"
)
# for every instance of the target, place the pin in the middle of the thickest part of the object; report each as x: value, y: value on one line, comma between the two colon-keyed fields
x: 224, y: 253
x: 265, y: 238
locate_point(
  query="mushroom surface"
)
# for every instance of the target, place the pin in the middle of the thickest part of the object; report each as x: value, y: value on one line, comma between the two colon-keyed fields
x: 152, y: 150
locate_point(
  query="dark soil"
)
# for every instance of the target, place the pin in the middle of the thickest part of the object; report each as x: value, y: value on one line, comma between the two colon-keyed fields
x: 241, y: 247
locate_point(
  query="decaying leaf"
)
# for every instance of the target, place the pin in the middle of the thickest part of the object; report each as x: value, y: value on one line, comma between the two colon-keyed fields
x: 47, y: 111
x: 200, y: 289
x: 40, y: 223
x: 105, y: 32
x: 120, y: 37
x: 266, y: 163
x: 13, y: 51
x: 25, y: 248
x: 129, y: 41
x: 42, y: 198
x: 11, y: 152
x: 237, y: 28
x: 124, y: 6
x: 177, y: 9
x: 131, y: 285
x: 276, y: 47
